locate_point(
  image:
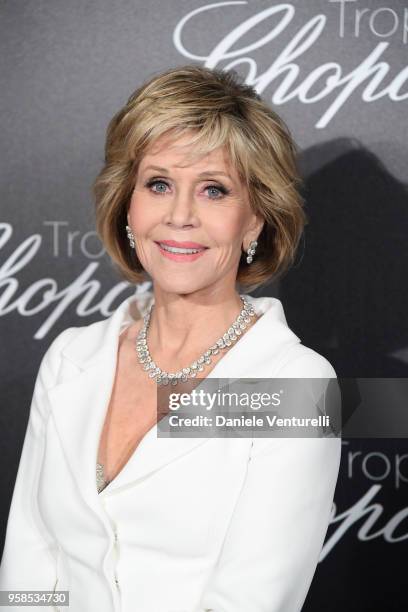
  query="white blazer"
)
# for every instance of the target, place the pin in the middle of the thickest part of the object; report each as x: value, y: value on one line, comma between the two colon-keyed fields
x: 189, y: 524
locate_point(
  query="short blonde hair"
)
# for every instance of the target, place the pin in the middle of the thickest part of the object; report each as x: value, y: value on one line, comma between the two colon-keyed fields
x: 218, y: 110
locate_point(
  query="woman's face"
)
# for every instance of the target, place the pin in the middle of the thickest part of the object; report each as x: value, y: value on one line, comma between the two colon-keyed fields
x: 201, y: 206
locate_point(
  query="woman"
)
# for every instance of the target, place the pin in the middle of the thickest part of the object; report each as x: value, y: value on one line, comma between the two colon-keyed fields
x: 199, y: 194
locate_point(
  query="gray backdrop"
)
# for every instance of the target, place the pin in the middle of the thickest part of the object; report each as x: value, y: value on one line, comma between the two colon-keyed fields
x: 337, y: 73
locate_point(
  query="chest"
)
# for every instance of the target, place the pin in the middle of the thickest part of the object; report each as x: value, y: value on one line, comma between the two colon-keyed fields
x: 132, y: 411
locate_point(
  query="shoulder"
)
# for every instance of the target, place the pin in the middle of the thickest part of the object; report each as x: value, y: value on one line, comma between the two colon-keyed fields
x: 285, y: 355
x: 301, y: 361
x: 319, y: 451
x: 51, y: 359
x: 47, y: 373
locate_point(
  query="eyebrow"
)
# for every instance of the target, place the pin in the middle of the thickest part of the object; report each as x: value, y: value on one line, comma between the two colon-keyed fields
x: 202, y: 174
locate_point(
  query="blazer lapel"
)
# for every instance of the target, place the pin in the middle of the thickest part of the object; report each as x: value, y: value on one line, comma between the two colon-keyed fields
x: 79, y: 405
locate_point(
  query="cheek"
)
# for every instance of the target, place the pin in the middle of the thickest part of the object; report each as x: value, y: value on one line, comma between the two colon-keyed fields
x: 142, y: 217
x: 226, y: 228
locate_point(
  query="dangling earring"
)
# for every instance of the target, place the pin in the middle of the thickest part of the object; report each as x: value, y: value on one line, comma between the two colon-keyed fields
x: 130, y: 236
x: 251, y: 251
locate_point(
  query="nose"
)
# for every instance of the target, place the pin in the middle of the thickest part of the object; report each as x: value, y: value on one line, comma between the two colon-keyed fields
x: 181, y: 211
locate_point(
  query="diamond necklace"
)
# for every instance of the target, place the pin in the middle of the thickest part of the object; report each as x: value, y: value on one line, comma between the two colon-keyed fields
x: 164, y: 378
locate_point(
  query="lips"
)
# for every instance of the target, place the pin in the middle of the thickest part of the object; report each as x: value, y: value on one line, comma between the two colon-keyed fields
x: 181, y: 251
x: 182, y: 244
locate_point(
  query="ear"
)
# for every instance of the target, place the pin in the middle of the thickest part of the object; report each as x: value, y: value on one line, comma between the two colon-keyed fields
x: 253, y: 230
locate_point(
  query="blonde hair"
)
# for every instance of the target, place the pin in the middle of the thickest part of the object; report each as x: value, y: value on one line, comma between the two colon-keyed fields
x: 218, y: 110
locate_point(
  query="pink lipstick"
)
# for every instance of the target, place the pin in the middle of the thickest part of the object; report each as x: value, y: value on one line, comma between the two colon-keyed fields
x: 181, y: 251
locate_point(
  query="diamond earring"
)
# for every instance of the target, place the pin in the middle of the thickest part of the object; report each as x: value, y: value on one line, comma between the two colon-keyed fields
x: 251, y: 251
x: 130, y: 236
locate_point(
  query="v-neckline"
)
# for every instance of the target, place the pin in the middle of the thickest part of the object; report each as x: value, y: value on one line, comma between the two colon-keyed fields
x: 225, y: 358
x: 99, y: 467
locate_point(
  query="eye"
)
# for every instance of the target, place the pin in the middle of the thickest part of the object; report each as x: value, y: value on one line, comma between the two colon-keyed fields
x: 221, y: 190
x: 153, y: 182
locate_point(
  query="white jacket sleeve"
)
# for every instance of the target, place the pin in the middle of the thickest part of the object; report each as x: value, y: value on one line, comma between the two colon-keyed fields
x: 277, y: 530
x: 30, y: 554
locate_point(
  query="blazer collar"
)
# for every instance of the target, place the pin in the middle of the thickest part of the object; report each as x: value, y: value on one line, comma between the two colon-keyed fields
x: 79, y: 404
x: 94, y: 341
x: 100, y: 338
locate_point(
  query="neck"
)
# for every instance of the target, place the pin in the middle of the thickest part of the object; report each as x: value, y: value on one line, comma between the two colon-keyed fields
x: 183, y: 326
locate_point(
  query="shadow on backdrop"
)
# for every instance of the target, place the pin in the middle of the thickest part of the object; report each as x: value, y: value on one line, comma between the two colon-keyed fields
x: 347, y: 298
